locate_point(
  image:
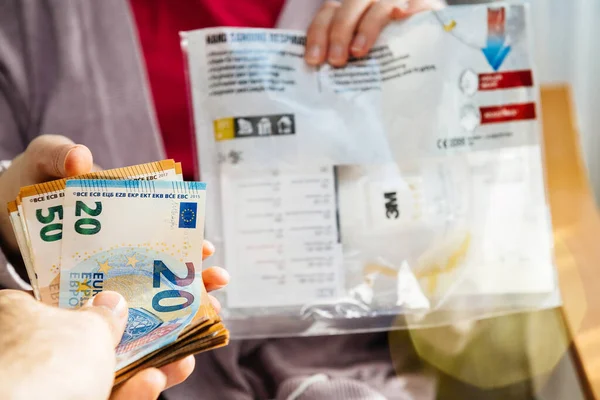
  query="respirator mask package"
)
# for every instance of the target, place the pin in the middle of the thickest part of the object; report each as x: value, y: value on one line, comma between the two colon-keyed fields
x: 404, y: 189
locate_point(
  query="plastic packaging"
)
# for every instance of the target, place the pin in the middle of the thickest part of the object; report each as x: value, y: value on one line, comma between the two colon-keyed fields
x: 408, y: 184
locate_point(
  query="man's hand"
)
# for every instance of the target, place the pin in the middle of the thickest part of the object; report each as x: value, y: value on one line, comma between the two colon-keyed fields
x: 350, y: 27
x: 52, y: 353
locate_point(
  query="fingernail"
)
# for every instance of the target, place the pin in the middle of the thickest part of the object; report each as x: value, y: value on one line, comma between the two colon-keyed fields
x: 77, y: 161
x: 112, y: 301
x: 336, y: 52
x: 225, y: 275
x: 359, y: 42
x: 314, y: 53
x: 209, y: 247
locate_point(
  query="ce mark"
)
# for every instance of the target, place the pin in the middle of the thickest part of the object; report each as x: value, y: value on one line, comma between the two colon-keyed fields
x: 444, y: 144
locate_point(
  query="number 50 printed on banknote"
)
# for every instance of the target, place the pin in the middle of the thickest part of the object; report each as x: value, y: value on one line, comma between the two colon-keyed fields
x: 144, y: 240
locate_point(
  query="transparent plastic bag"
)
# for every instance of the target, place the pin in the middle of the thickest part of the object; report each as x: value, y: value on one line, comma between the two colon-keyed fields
x: 408, y: 183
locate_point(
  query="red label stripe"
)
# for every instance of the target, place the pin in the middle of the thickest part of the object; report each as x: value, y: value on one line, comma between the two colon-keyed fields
x: 505, y: 80
x: 508, y: 112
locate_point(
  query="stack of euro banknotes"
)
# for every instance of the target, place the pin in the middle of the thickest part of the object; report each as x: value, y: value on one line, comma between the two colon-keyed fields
x: 138, y: 231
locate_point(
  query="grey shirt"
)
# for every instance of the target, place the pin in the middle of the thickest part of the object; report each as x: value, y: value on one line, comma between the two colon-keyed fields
x: 73, y: 68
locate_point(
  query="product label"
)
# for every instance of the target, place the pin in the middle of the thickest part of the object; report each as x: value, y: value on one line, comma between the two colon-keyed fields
x: 282, y: 239
x: 423, y: 154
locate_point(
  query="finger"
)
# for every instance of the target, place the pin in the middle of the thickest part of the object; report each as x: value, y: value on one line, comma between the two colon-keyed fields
x: 145, y: 385
x: 208, y: 249
x: 55, y: 156
x: 343, y: 26
x: 178, y: 371
x: 215, y: 303
x: 112, y: 307
x: 215, y: 278
x: 371, y: 25
x: 318, y: 34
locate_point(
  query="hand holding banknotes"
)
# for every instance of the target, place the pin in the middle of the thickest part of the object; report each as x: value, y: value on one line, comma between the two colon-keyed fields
x: 51, y: 157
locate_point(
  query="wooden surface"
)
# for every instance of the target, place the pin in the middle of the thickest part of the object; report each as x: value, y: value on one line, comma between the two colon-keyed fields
x: 577, y: 232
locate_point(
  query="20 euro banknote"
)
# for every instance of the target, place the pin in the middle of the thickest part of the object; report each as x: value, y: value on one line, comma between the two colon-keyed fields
x: 39, y: 208
x: 144, y: 240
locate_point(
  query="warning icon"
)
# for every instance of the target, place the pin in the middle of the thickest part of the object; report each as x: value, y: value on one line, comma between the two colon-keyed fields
x: 284, y: 125
x: 264, y: 126
x: 255, y: 126
x: 244, y: 127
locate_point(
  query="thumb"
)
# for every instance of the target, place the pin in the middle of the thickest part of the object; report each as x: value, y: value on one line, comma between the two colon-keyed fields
x: 112, y: 307
x: 54, y: 156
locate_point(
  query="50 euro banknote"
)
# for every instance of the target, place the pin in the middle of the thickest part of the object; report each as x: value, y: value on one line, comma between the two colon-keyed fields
x: 37, y: 219
x: 143, y: 239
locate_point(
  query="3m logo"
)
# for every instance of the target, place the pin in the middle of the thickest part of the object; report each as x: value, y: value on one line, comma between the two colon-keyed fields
x: 391, y: 205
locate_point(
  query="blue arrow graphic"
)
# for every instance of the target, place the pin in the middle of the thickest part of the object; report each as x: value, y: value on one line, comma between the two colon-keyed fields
x: 496, y: 50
